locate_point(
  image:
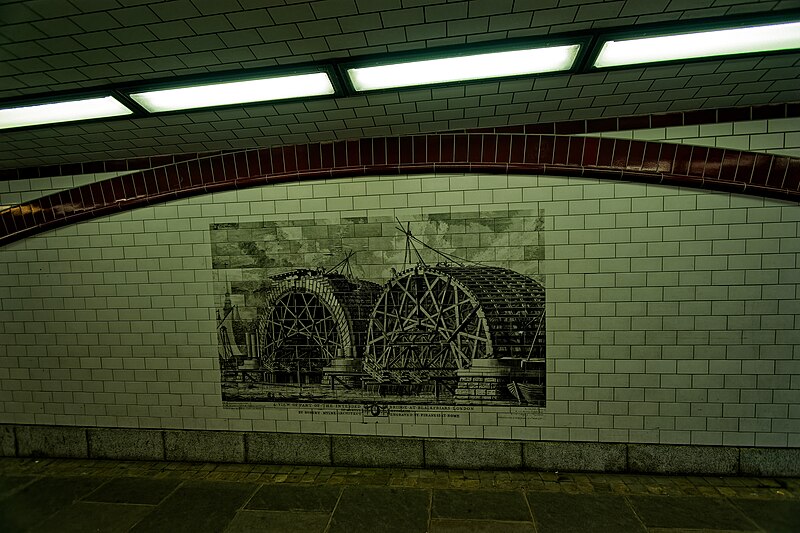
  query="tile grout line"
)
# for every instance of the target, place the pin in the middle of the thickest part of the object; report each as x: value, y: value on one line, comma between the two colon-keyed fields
x: 430, y: 510
x: 633, y: 510
x: 156, y: 506
x: 258, y: 487
x: 733, y: 504
x: 330, y: 517
x: 530, y: 510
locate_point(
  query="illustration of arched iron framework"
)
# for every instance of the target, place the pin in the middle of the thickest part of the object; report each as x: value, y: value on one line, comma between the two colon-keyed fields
x: 309, y: 318
x: 434, y: 320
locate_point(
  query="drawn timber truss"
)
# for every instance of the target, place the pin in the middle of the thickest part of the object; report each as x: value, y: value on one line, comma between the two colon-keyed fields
x: 466, y: 331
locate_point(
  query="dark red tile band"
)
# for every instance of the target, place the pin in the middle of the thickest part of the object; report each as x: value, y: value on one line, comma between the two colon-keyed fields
x: 751, y: 173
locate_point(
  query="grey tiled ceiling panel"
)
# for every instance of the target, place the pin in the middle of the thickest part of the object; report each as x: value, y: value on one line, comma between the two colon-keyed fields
x: 57, y: 45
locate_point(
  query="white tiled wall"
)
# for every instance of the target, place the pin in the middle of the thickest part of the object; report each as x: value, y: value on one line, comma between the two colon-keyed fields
x: 776, y: 136
x: 673, y: 315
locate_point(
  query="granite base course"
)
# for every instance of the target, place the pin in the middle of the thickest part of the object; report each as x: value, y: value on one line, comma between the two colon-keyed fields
x: 360, y: 451
x: 126, y: 444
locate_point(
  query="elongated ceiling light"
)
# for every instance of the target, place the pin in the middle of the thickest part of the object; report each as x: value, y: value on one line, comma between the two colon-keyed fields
x: 750, y: 39
x: 464, y: 68
x: 235, y: 92
x: 69, y: 111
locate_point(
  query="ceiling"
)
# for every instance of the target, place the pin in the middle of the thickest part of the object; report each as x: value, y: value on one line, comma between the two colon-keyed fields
x: 51, y: 46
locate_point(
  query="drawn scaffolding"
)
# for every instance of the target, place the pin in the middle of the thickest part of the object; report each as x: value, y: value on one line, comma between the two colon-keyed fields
x: 431, y: 323
x: 311, y: 318
x: 453, y: 331
x: 433, y: 320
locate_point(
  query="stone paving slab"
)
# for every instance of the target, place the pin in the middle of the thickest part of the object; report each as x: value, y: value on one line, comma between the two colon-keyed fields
x: 278, y: 522
x: 81, y: 517
x: 776, y: 516
x: 96, y: 495
x: 39, y: 500
x: 198, y: 507
x: 9, y: 484
x: 134, y: 490
x: 288, y: 497
x: 388, y: 509
x: 446, y: 525
x: 588, y: 513
x: 481, y: 505
x: 668, y: 512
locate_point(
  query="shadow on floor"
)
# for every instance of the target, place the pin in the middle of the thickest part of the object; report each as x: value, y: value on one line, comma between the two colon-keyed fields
x: 115, y: 496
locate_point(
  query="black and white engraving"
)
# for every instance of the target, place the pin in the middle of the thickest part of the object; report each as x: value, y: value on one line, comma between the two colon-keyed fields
x: 436, y: 311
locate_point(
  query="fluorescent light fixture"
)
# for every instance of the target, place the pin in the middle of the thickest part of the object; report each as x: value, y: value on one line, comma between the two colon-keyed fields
x: 34, y: 115
x: 699, y: 44
x: 463, y: 68
x: 235, y: 92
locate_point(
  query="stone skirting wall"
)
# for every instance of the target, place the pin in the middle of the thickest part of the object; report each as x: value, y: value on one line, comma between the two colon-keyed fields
x: 362, y: 451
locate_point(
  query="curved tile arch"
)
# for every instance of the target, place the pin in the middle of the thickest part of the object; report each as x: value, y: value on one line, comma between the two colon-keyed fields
x: 718, y: 169
x: 563, y: 127
x: 568, y: 127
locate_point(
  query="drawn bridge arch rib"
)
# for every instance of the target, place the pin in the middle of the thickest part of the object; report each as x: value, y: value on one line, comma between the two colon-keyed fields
x: 435, y: 320
x: 500, y: 153
x: 311, y: 319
